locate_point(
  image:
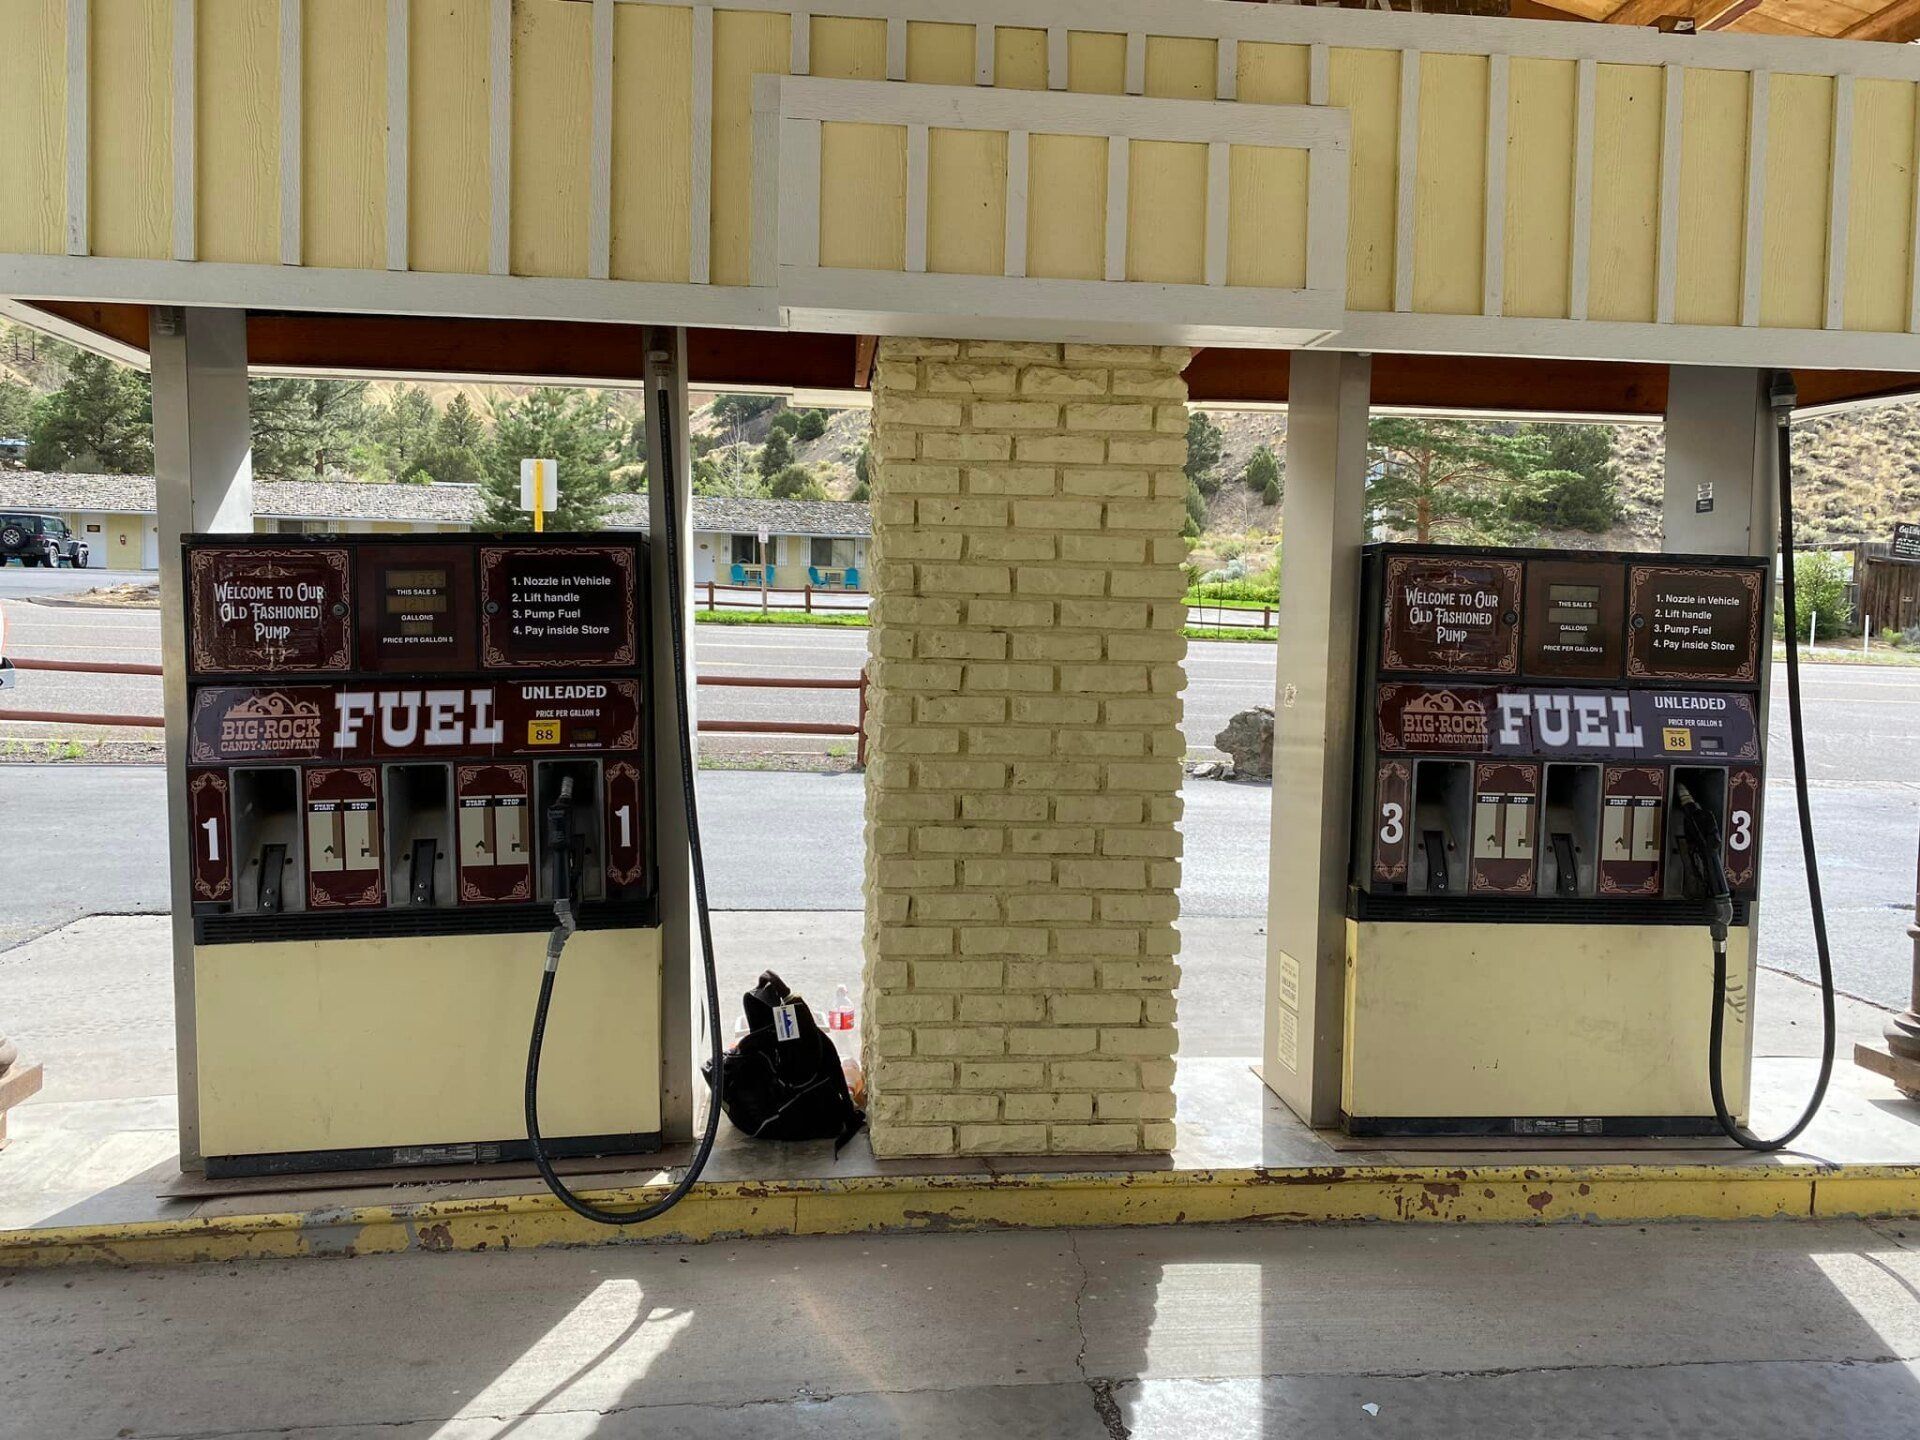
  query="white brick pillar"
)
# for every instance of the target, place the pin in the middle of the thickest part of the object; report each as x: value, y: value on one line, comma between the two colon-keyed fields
x: 1024, y: 747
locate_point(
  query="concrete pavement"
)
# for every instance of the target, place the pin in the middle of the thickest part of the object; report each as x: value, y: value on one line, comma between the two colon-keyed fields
x: 1756, y: 1331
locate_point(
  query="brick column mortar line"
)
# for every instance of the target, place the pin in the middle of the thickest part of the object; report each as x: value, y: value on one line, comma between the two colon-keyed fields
x: 1022, y: 861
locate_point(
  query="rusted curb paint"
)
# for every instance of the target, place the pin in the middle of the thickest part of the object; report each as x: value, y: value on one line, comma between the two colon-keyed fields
x: 1533, y: 1195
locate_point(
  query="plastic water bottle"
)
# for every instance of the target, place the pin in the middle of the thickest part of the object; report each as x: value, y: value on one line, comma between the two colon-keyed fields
x: 840, y: 1017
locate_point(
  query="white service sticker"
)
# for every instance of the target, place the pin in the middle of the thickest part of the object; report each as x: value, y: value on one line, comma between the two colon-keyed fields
x: 786, y: 1023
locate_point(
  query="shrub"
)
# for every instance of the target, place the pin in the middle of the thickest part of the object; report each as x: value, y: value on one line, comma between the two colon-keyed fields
x: 1820, y: 591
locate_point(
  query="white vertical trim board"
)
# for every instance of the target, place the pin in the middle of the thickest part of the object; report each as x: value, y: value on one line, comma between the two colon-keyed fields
x: 398, y: 123
x: 500, y: 138
x: 916, y: 199
x: 1494, y: 242
x: 1840, y: 188
x: 185, y: 161
x: 896, y: 48
x: 1752, y: 239
x: 1226, y: 69
x: 1136, y: 82
x: 1318, y: 59
x: 1580, y: 247
x: 763, y: 261
x: 600, y: 147
x: 983, y: 56
x: 1119, y: 164
x: 1671, y: 105
x: 800, y: 43
x: 292, y: 154
x: 799, y: 217
x: 1327, y: 189
x: 79, y: 140
x: 1056, y: 57
x: 1219, y: 213
x: 1016, y: 256
x: 1409, y: 137
x: 700, y: 206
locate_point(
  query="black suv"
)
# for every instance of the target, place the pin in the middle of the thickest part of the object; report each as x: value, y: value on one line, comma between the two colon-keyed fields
x: 40, y: 540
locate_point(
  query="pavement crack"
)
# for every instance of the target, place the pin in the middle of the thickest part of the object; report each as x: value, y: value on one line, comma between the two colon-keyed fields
x: 1105, y: 1407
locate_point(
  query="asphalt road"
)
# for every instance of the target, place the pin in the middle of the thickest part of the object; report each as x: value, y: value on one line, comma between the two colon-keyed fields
x: 62, y: 863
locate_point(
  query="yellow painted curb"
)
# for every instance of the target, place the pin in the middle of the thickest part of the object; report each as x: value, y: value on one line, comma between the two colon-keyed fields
x: 1533, y: 1194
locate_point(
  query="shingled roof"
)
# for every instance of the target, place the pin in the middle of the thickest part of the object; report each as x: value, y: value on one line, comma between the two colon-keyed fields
x: 440, y: 504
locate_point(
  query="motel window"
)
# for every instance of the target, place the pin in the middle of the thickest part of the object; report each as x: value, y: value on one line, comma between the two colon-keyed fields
x: 831, y: 554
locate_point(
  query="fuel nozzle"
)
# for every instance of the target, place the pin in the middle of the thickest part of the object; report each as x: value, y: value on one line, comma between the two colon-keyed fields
x: 1701, y: 844
x: 559, y: 848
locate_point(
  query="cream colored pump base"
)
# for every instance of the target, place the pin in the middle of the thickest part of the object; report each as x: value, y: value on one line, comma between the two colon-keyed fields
x: 331, y: 1047
x: 1537, y: 1024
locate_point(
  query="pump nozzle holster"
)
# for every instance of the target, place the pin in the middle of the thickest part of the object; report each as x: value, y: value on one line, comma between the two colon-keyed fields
x: 1701, y: 843
x: 559, y: 844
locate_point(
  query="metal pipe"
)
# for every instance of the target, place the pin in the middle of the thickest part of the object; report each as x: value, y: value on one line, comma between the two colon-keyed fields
x: 85, y: 667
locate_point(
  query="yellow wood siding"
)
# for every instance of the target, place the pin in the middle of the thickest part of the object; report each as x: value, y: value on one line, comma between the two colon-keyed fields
x: 652, y: 142
x: 745, y: 43
x: 1067, y: 207
x: 1367, y: 84
x: 863, y: 168
x: 553, y: 119
x: 1628, y: 104
x: 33, y: 127
x: 1020, y: 59
x: 1880, y: 206
x: 237, y: 133
x: 343, y: 134
x: 130, y: 191
x: 1711, y: 230
x: 1538, y: 247
x: 1793, y: 270
x: 1450, y: 186
x: 126, y: 183
x: 450, y: 183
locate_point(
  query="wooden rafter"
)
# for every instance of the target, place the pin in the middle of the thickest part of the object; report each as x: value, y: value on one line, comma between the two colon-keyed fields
x: 1705, y: 14
x: 1898, y: 22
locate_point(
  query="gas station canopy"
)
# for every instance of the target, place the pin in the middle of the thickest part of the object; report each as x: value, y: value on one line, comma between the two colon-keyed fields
x: 511, y: 187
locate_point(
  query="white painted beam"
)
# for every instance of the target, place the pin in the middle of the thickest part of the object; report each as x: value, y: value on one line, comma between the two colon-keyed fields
x: 399, y: 116
x: 1403, y: 216
x: 1666, y: 282
x: 916, y: 199
x: 292, y: 149
x: 1017, y: 161
x: 1580, y: 246
x: 1219, y: 210
x: 700, y: 206
x: 1839, y: 201
x: 1494, y: 243
x: 79, y: 136
x: 1119, y: 166
x: 1754, y: 231
x: 500, y: 138
x: 600, y: 147
x: 185, y: 109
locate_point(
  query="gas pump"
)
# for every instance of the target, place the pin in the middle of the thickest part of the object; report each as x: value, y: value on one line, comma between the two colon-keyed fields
x: 1559, y: 771
x: 377, y: 727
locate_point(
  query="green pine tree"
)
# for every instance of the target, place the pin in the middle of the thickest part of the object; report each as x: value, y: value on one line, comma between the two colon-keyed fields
x: 1446, y: 479
x: 796, y: 482
x: 1204, y: 444
x: 813, y: 424
x: 457, y: 455
x: 579, y: 430
x: 863, y: 471
x: 776, y: 455
x: 1263, y: 475
x: 101, y: 419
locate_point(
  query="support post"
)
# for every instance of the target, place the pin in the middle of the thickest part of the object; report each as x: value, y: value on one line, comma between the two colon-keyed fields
x: 1722, y: 498
x: 203, y: 471
x: 666, y: 416
x: 1324, y: 521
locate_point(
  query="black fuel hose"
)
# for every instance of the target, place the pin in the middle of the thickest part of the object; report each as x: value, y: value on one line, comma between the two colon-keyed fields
x: 664, y: 472
x: 1781, y: 399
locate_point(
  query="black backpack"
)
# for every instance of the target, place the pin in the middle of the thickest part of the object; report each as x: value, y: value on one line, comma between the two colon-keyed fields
x: 792, y: 1089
